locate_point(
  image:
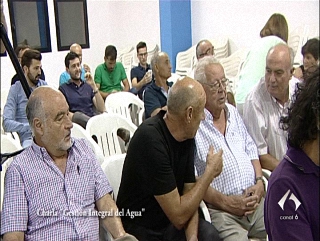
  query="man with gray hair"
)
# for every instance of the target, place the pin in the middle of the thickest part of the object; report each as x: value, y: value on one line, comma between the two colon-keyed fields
x: 156, y: 93
x: 235, y: 197
x: 158, y: 174
x: 267, y: 102
x: 55, y: 189
x: 205, y: 48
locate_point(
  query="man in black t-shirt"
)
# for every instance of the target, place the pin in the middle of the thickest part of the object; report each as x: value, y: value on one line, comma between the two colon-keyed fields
x: 158, y: 196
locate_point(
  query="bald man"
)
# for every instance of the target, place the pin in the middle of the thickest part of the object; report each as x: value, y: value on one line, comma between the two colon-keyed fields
x: 267, y: 102
x: 156, y: 93
x: 158, y: 180
x: 65, y: 76
x: 56, y: 181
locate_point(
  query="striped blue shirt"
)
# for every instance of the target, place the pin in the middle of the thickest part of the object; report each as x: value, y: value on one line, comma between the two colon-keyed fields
x: 238, y: 151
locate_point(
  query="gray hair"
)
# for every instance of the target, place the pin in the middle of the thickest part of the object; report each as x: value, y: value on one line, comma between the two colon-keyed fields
x: 199, y: 73
x: 155, y: 60
x: 35, y: 109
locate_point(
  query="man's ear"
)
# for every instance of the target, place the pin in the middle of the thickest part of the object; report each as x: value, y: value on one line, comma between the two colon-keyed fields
x: 25, y: 69
x: 292, y: 70
x: 189, y: 113
x: 38, y: 126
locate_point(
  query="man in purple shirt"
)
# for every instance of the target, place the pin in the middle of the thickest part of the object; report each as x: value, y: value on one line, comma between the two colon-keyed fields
x: 55, y: 189
x: 292, y: 201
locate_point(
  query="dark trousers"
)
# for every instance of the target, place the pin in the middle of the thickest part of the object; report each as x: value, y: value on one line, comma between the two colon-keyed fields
x: 206, y: 232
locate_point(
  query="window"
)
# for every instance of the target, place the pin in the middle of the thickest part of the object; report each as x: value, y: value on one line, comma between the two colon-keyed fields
x: 71, y: 23
x: 30, y: 24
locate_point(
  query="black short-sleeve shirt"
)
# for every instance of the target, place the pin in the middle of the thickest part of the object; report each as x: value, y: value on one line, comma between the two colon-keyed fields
x: 155, y: 164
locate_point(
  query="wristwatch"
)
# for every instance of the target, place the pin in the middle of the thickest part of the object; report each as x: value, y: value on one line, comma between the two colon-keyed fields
x: 95, y: 92
x: 260, y: 179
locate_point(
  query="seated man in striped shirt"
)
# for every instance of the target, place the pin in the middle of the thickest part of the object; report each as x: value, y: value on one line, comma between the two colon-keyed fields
x: 235, y: 197
x: 55, y: 189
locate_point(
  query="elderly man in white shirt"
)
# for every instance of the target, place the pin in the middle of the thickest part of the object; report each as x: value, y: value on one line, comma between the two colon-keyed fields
x: 267, y: 102
x: 235, y: 197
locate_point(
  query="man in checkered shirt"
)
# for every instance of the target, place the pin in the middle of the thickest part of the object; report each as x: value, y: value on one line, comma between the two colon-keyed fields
x: 234, y: 197
x: 55, y: 189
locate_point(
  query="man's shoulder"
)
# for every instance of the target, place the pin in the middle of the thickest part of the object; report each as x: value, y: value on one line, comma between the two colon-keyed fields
x: 64, y: 74
x: 258, y: 93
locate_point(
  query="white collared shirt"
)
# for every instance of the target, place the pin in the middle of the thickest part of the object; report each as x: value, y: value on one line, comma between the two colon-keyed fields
x: 261, y: 115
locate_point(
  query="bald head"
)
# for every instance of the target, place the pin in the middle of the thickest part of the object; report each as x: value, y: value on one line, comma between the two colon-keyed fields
x: 76, y: 48
x: 41, y: 102
x: 161, y: 66
x: 184, y: 93
x: 281, y: 52
x: 156, y: 59
x: 204, y: 48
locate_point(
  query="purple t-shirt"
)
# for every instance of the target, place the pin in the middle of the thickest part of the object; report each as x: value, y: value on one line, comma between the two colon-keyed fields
x: 292, y: 202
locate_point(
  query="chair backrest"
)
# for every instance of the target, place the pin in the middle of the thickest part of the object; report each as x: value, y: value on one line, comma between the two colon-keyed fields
x: 79, y: 132
x: 4, y: 96
x: 123, y: 103
x: 8, y: 145
x: 221, y: 47
x: 184, y: 61
x: 103, y: 128
x: 112, y: 167
x: 232, y: 65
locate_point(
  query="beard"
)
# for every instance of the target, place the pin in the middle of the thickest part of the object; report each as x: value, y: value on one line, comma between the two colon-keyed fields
x: 75, y: 77
x: 33, y: 79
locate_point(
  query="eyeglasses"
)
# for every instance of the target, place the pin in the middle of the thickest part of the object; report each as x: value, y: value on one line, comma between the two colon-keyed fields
x: 143, y: 54
x: 216, y: 85
x: 210, y: 51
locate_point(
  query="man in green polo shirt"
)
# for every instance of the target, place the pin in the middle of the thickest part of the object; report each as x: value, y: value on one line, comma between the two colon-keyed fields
x: 109, y: 75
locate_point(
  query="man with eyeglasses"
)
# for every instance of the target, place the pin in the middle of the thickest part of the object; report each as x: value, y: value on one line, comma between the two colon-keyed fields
x: 205, y: 48
x: 235, y: 198
x: 141, y: 75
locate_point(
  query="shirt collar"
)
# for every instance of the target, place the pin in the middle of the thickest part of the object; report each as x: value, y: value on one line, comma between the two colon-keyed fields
x: 299, y: 158
x: 142, y: 68
x: 42, y: 152
x: 156, y: 87
x: 209, y: 117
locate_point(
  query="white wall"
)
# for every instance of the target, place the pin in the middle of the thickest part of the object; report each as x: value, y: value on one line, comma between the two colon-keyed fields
x: 242, y: 20
x: 120, y: 23
x: 126, y: 22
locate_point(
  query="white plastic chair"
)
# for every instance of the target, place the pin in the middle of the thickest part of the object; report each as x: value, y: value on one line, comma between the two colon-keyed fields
x: 123, y: 103
x: 221, y: 47
x: 103, y: 128
x: 112, y: 167
x: 232, y: 65
x: 78, y: 132
x: 4, y: 96
x: 184, y: 61
x: 8, y: 145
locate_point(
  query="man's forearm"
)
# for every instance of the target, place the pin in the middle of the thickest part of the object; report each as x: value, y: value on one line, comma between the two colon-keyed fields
x: 191, y: 228
x: 268, y: 162
x: 112, y: 223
